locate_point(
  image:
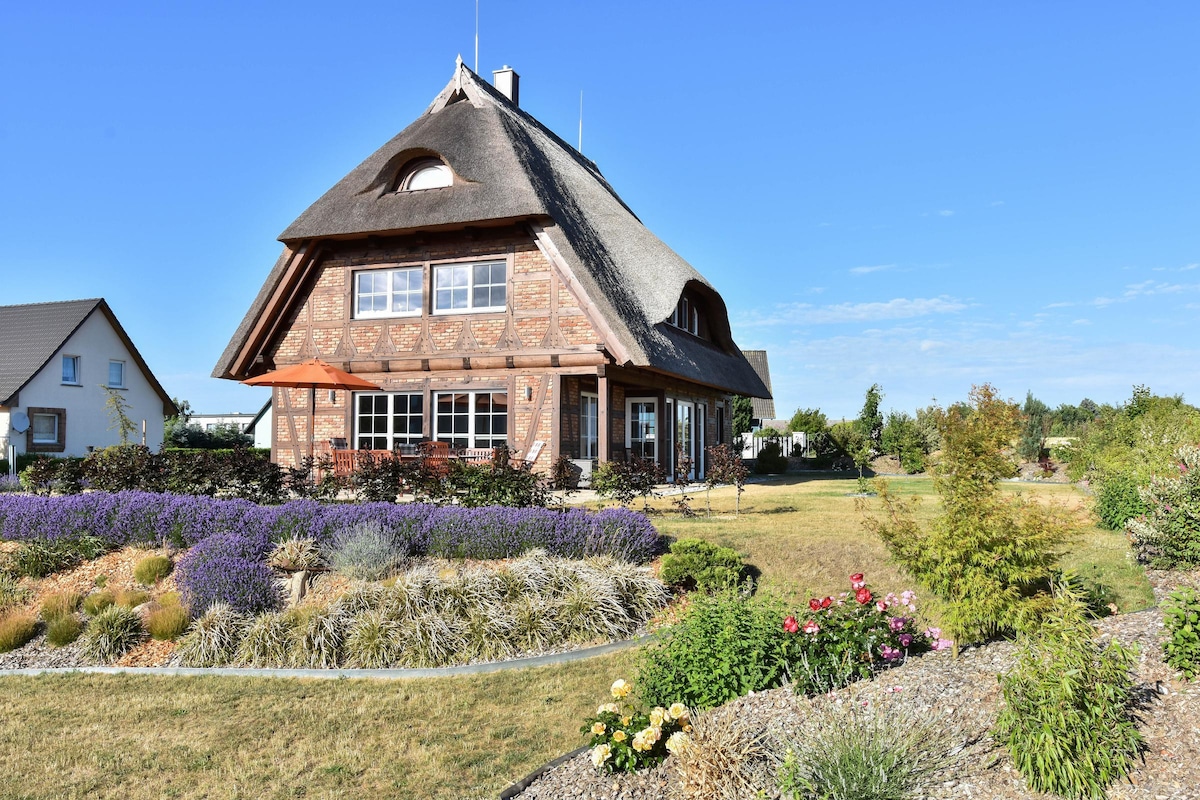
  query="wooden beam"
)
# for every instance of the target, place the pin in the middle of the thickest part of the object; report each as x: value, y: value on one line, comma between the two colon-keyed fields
x: 604, y: 439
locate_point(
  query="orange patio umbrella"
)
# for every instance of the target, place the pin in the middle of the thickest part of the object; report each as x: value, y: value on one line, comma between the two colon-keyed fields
x: 312, y: 375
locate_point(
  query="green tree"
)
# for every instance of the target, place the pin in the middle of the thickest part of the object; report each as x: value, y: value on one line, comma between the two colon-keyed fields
x: 988, y: 558
x: 902, y: 438
x: 850, y: 439
x: 743, y: 414
x: 1035, y: 429
x: 808, y: 420
x: 870, y: 419
x: 118, y: 414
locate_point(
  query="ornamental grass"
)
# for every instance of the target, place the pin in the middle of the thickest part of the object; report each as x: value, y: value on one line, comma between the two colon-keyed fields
x: 112, y: 633
x: 16, y: 629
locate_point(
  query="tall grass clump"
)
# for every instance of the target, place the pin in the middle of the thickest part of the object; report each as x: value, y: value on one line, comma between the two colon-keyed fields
x: 317, y: 637
x: 16, y: 629
x: 131, y: 598
x: 62, y: 631
x: 96, y: 602
x: 267, y: 641
x: 12, y: 593
x: 152, y: 569
x: 112, y: 633
x: 367, y: 551
x: 167, y: 623
x: 373, y: 640
x: 1068, y: 718
x: 213, y: 638
x: 852, y: 751
x: 725, y: 756
x: 60, y: 604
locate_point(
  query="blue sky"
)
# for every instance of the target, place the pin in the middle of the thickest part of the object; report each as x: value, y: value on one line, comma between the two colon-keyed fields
x: 920, y: 195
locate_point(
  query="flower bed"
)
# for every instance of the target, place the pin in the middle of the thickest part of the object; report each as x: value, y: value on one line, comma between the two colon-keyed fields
x: 121, y: 518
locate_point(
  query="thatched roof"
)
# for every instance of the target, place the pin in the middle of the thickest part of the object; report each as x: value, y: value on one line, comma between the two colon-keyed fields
x: 763, y: 408
x: 508, y: 167
x: 32, y: 333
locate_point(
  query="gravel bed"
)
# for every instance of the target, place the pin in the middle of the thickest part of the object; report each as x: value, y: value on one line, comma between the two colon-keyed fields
x: 964, y: 695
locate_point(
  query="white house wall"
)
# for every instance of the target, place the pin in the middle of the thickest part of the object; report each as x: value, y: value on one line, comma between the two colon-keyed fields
x: 87, y: 420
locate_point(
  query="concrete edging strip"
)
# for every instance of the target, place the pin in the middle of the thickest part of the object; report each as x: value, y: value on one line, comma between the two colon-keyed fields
x: 376, y: 674
x: 523, y: 784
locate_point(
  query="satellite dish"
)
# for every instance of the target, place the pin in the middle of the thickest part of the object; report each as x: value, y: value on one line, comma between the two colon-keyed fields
x: 19, y: 421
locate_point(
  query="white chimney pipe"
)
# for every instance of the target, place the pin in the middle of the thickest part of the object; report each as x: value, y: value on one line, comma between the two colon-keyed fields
x: 508, y: 83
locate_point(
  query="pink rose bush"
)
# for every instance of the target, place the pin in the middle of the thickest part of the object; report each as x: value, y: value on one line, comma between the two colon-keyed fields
x: 844, y: 639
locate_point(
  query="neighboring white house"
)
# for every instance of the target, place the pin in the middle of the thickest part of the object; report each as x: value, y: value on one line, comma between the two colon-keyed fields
x: 260, y: 427
x: 210, y: 422
x: 56, y: 361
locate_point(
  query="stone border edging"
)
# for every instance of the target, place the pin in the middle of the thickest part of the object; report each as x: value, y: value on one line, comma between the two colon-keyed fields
x: 523, y: 784
x: 378, y: 674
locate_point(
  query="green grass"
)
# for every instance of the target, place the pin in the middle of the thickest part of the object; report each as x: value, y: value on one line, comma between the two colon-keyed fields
x: 77, y: 736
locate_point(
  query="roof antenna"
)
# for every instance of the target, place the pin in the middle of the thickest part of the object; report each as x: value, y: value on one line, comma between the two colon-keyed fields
x: 476, y: 37
x: 580, y: 148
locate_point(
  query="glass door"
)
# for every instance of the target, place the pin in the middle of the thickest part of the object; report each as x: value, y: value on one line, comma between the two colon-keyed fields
x: 685, y: 438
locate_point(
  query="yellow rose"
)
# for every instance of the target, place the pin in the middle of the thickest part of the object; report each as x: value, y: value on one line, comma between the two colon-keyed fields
x: 600, y: 754
x: 618, y: 735
x: 678, y: 711
x: 624, y: 720
x: 620, y: 688
x: 599, y: 728
x: 676, y: 742
x: 656, y: 717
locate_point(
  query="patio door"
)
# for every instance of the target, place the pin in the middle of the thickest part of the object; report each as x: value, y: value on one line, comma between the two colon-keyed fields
x: 685, y: 438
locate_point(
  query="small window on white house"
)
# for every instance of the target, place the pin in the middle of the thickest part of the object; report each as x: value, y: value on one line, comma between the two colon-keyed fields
x: 45, y: 428
x: 116, y: 374
x: 70, y: 370
x: 470, y: 287
x: 425, y: 174
x: 388, y: 292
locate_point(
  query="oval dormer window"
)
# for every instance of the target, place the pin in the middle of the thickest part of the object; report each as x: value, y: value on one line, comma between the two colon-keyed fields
x: 428, y: 173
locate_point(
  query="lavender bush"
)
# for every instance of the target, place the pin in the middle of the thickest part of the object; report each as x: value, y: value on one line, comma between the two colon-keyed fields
x: 229, y: 568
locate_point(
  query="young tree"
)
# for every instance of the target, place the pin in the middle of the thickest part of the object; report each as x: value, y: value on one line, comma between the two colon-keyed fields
x: 990, y: 559
x: 743, y: 414
x: 1035, y: 429
x: 870, y: 419
x: 118, y: 414
x: 726, y: 466
x: 808, y: 420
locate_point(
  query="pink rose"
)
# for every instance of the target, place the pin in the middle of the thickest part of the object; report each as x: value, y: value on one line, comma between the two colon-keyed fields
x: 811, y: 627
x: 863, y: 595
x: 790, y: 625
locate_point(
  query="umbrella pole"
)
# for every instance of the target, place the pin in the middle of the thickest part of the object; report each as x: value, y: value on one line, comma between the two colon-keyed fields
x: 312, y: 419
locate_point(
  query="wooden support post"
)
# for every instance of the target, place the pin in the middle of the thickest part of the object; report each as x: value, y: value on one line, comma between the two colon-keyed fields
x: 604, y: 433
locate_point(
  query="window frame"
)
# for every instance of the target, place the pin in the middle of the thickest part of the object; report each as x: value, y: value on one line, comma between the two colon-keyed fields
x: 60, y: 431
x: 78, y: 368
x: 654, y: 433
x: 470, y: 287
x: 390, y: 292
x: 116, y: 362
x: 589, y: 445
x: 420, y: 166
x: 472, y: 435
x: 393, y: 437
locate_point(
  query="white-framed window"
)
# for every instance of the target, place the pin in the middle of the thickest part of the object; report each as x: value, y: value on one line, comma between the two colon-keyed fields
x: 384, y: 420
x: 70, y: 370
x: 471, y: 419
x: 427, y: 173
x: 388, y: 292
x: 641, y: 431
x: 470, y: 287
x: 589, y: 425
x: 686, y: 316
x: 45, y: 428
x: 116, y: 374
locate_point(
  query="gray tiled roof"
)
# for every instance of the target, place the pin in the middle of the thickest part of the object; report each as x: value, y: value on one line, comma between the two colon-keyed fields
x: 31, y: 334
x: 509, y: 167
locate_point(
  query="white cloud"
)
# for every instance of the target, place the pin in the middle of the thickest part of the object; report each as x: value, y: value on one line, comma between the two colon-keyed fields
x: 946, y: 212
x: 1189, y: 267
x: 808, y: 314
x: 1081, y: 322
x: 873, y: 268
x: 995, y: 203
x: 1059, y: 305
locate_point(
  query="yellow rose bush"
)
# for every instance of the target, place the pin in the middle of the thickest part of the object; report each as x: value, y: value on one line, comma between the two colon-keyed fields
x: 626, y: 737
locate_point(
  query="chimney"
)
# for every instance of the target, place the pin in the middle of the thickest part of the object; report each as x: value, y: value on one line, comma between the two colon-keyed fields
x: 508, y: 83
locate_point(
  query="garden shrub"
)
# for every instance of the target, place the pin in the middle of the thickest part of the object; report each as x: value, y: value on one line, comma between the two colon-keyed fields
x: 167, y: 623
x: 624, y: 480
x: 112, y: 633
x: 853, y: 751
x: 368, y: 551
x: 1181, y: 616
x: 12, y: 593
x: 38, y: 558
x: 317, y: 637
x: 477, y: 485
x: 1168, y: 535
x: 770, y: 459
x: 626, y: 737
x: 841, y: 640
x: 724, y: 647
x: 697, y: 564
x: 151, y: 570
x: 16, y: 629
x: 1118, y: 501
x: 989, y: 558
x: 725, y: 756
x: 62, y: 631
x: 213, y: 638
x: 96, y: 602
x: 373, y: 641
x: 131, y: 598
x: 60, y: 604
x: 229, y: 569
x: 1067, y: 716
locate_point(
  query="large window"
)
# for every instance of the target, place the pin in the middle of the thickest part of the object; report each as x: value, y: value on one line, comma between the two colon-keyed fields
x: 383, y: 421
x: 45, y: 428
x: 470, y: 287
x: 388, y: 292
x: 116, y: 374
x: 70, y: 370
x: 642, y: 432
x: 471, y: 419
x: 47, y: 432
x: 589, y: 418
